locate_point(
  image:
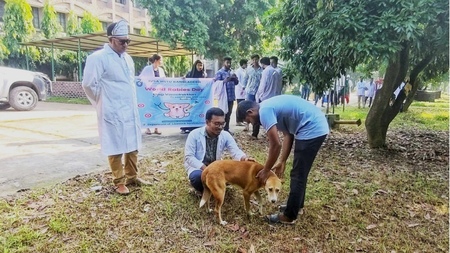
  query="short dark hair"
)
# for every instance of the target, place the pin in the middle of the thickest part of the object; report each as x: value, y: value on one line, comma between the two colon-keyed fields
x: 274, y: 58
x: 254, y: 56
x: 110, y: 28
x: 265, y: 60
x: 227, y: 58
x: 214, y: 111
x: 242, y: 62
x: 243, y: 107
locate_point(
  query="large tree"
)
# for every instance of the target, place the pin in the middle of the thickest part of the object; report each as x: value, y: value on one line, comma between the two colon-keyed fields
x: 214, y: 28
x: 327, y: 37
x: 18, y: 28
x: 90, y: 23
x: 50, y: 26
x: 73, y: 25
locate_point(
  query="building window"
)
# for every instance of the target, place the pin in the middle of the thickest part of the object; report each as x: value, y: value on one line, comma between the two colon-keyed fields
x: 2, y: 10
x: 104, y: 25
x: 121, y: 1
x: 137, y: 31
x: 62, y: 20
x: 36, y: 19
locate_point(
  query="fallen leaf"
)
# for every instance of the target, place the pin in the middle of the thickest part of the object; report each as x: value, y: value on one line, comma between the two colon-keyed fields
x: 233, y: 227
x: 355, y: 192
x: 442, y: 210
x: 371, y: 226
x: 210, y: 243
x: 241, y: 250
x: 411, y: 225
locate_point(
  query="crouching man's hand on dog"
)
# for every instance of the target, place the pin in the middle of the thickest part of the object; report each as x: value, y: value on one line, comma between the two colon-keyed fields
x: 279, y: 169
x: 263, y: 175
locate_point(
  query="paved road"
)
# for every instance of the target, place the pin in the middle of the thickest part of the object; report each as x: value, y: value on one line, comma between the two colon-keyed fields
x: 55, y: 142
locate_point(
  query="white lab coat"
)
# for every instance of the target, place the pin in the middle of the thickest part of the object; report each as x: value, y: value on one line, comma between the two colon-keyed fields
x: 220, y: 94
x: 109, y: 85
x: 149, y: 72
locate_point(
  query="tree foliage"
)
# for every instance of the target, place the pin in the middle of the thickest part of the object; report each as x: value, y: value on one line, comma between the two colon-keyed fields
x: 90, y: 23
x: 73, y: 25
x: 325, y: 38
x: 215, y: 27
x: 18, y: 27
x: 176, y: 66
x: 50, y: 26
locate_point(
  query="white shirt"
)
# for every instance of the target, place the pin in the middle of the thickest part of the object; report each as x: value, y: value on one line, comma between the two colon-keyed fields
x: 149, y: 72
x: 239, y: 90
x: 108, y: 81
x: 361, y: 88
x: 270, y: 85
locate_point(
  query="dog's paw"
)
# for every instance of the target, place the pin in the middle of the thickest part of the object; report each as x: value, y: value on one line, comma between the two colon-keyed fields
x: 209, y: 210
x: 223, y: 223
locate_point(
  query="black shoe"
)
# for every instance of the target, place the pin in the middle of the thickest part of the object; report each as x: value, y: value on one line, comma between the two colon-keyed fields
x: 282, y: 208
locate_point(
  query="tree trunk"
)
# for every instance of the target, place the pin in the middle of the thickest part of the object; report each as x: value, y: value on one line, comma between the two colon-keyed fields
x: 382, y: 112
x: 414, y: 81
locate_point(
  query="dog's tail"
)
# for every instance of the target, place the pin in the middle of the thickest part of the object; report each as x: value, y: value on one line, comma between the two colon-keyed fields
x: 205, y: 197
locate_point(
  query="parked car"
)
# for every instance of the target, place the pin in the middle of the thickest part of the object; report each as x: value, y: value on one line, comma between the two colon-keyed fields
x: 22, y: 89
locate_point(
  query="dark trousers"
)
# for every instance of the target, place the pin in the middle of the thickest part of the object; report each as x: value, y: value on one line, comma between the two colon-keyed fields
x: 255, y: 130
x: 228, y: 115
x: 237, y: 102
x: 196, y: 180
x: 305, y: 152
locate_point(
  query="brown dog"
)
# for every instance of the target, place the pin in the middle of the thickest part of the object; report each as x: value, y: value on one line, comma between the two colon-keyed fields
x: 243, y: 174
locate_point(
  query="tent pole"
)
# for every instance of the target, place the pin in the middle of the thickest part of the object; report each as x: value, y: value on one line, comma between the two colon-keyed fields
x: 26, y: 57
x: 79, y: 61
x: 53, y: 64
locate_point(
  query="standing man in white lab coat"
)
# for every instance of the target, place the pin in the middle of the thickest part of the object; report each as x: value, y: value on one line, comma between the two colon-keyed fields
x: 109, y: 85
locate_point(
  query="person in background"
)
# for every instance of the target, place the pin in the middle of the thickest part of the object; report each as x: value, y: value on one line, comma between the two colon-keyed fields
x: 274, y: 64
x: 370, y: 92
x: 153, y: 70
x: 197, y: 71
x: 305, y: 91
x: 229, y: 81
x: 240, y: 93
x: 270, y: 84
x: 108, y: 81
x: 207, y: 144
x: 361, y: 86
x: 254, y: 78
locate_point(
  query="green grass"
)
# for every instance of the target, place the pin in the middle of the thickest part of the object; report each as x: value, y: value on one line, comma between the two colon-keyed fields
x: 83, y: 101
x: 420, y: 115
x: 358, y: 200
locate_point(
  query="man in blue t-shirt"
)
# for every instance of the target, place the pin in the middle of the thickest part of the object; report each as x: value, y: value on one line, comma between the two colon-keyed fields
x: 299, y: 121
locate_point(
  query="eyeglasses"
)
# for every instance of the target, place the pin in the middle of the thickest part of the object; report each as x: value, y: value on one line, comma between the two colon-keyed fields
x: 218, y: 124
x: 123, y: 41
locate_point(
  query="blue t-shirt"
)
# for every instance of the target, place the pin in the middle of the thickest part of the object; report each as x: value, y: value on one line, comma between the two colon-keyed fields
x: 294, y: 115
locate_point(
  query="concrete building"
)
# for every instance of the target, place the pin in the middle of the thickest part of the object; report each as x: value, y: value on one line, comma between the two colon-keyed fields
x: 107, y: 11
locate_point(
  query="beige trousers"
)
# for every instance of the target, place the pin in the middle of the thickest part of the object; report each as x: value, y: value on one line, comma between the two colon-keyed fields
x: 123, y: 172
